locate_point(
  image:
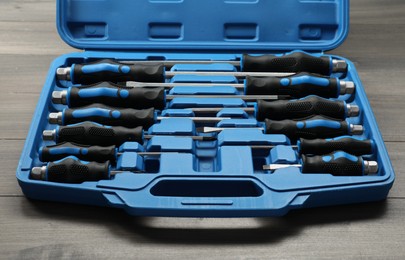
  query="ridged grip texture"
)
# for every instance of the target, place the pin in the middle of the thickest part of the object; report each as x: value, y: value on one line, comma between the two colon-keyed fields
x: 300, y: 109
x: 348, y: 144
x: 338, y: 167
x: 82, y: 152
x: 105, y: 115
x: 74, y: 171
x: 291, y: 130
x: 94, y: 134
x: 295, y: 62
x: 111, y: 70
x: 138, y: 98
x: 274, y: 86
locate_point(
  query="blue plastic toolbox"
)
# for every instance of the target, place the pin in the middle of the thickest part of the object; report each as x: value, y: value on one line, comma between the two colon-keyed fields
x: 204, y: 153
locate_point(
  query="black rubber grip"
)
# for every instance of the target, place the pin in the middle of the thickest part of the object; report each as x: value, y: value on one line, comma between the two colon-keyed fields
x: 300, y: 85
x: 94, y: 134
x: 300, y: 109
x: 338, y: 164
x: 105, y: 115
x: 82, y: 152
x: 111, y: 94
x: 74, y: 171
x: 295, y: 62
x: 347, y: 144
x: 310, y: 129
x: 111, y: 70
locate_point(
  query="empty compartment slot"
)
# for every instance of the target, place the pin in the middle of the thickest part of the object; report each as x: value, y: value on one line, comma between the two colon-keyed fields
x: 158, y: 31
x: 206, y: 188
x: 87, y: 30
x: 317, y: 32
x: 240, y: 31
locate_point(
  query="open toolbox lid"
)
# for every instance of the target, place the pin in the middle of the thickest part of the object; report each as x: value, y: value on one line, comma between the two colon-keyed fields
x: 204, y: 26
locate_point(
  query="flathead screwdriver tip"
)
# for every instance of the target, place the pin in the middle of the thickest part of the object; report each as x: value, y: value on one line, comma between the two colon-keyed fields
x: 339, y: 66
x: 49, y: 135
x: 55, y: 118
x: 59, y: 97
x: 63, y: 74
x: 38, y: 173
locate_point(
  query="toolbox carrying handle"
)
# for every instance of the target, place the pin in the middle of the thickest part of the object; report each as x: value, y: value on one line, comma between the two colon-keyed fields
x: 208, y: 197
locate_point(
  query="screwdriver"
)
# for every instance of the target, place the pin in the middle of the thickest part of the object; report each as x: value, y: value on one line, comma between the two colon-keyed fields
x: 112, y: 70
x: 89, y: 133
x: 316, y: 127
x: 139, y: 98
x: 354, y: 146
x: 126, y: 117
x: 349, y: 144
x: 338, y: 164
x: 84, y: 152
x: 71, y: 170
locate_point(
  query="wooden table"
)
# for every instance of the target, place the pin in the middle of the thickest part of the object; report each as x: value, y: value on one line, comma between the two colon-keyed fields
x: 35, y: 230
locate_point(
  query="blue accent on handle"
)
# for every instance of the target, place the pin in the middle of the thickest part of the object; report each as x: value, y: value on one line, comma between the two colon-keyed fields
x: 322, y: 82
x: 284, y: 82
x: 64, y: 150
x: 87, y: 69
x: 101, y: 112
x: 125, y: 69
x: 40, y: 153
x: 98, y: 92
x: 338, y: 87
x: 345, y: 136
x: 338, y: 155
x: 68, y: 96
x: 124, y: 93
x: 318, y: 123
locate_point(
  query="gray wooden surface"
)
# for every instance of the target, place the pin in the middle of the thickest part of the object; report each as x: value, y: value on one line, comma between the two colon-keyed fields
x: 42, y: 230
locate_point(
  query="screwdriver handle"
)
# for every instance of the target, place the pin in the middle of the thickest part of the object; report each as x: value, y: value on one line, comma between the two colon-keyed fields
x: 299, y: 85
x: 337, y: 163
x: 94, y: 134
x: 114, y: 95
x: 311, y: 129
x: 126, y: 117
x: 295, y: 62
x: 111, y: 70
x: 349, y: 144
x: 71, y: 170
x: 82, y: 152
x: 300, y: 109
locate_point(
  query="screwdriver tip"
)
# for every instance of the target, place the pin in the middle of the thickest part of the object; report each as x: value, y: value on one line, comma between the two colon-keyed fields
x: 63, y: 73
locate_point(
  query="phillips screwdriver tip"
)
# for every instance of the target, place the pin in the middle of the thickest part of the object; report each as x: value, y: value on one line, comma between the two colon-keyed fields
x: 63, y: 73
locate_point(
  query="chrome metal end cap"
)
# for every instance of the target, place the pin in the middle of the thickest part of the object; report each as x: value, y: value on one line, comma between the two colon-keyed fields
x: 370, y: 167
x: 59, y: 97
x: 347, y: 87
x: 38, y: 173
x: 49, y: 135
x: 356, y: 129
x: 55, y: 118
x: 352, y: 110
x: 63, y: 73
x: 339, y: 66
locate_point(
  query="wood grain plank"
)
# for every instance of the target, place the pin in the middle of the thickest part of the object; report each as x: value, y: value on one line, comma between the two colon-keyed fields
x: 32, y: 230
